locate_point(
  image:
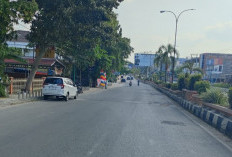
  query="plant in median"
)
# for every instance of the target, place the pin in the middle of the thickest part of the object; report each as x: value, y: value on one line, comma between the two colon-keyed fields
x: 230, y: 97
x: 193, y: 79
x: 215, y: 97
x: 201, y: 86
x: 181, y: 82
x: 222, y: 85
x: 174, y: 86
x: 168, y: 85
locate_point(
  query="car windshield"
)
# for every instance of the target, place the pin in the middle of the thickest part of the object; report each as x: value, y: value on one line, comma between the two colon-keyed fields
x: 53, y: 81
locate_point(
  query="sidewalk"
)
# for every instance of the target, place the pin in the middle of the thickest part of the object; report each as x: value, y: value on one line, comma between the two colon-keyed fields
x: 13, y: 99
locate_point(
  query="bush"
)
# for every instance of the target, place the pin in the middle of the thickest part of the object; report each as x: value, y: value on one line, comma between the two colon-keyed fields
x: 2, y: 91
x: 168, y: 85
x: 158, y: 82
x: 222, y: 85
x: 215, y: 97
x: 174, y: 86
x: 193, y: 79
x: 230, y: 97
x: 181, y: 83
x: 201, y: 86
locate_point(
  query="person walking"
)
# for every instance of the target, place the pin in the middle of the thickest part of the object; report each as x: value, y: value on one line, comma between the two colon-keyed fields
x: 138, y: 82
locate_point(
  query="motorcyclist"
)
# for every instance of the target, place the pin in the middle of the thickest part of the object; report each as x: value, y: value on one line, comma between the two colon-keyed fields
x: 130, y: 83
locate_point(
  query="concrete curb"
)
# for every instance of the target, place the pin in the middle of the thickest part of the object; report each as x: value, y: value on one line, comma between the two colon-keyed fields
x: 219, y: 122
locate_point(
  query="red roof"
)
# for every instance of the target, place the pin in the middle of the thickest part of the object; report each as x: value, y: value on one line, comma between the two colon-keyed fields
x: 30, y: 61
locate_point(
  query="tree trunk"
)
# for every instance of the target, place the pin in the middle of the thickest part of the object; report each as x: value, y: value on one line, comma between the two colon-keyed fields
x: 161, y: 71
x: 165, y: 79
x: 34, y: 69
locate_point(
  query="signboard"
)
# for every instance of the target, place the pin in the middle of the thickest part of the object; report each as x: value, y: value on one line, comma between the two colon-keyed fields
x: 50, y: 53
x: 144, y: 59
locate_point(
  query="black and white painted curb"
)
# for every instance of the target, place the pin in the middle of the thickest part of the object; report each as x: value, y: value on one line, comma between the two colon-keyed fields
x: 218, y: 121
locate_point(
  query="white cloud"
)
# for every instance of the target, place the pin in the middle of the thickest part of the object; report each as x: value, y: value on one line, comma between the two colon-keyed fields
x: 220, y: 26
x: 128, y: 0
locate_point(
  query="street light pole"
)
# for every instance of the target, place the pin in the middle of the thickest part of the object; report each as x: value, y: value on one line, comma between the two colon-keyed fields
x: 177, y: 19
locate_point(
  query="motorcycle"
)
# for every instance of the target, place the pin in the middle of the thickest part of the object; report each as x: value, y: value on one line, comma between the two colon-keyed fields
x: 79, y: 88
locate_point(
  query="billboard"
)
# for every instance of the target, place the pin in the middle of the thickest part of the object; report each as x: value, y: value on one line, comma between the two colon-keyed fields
x: 142, y: 59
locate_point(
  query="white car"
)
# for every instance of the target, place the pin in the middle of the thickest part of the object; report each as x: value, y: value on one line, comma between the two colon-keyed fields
x: 59, y: 87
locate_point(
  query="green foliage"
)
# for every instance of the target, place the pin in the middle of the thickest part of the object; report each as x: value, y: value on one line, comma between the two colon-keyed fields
x: 10, y: 13
x: 168, y: 85
x: 189, y: 66
x: 230, y: 97
x: 215, y: 97
x: 201, y: 86
x: 222, y: 85
x: 163, y: 56
x: 181, y: 82
x: 193, y: 79
x: 2, y: 91
x: 155, y: 77
x: 85, y: 32
x: 158, y: 81
x: 174, y: 86
x: 135, y: 71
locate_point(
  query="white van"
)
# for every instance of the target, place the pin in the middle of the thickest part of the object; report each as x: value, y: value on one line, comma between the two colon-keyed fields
x: 59, y: 87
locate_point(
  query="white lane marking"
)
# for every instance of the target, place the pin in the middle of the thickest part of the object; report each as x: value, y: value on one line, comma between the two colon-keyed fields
x: 210, y: 133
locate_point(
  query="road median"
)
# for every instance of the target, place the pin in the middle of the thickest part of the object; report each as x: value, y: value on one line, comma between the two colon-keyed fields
x: 213, y: 117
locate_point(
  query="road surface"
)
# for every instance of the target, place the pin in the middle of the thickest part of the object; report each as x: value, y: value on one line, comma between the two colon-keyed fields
x: 118, y: 122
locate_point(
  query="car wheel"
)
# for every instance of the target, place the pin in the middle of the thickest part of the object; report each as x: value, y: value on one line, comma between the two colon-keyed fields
x: 45, y: 97
x: 75, y: 97
x: 66, y: 98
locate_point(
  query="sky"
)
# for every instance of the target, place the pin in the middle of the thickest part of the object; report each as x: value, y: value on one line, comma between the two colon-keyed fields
x: 206, y: 29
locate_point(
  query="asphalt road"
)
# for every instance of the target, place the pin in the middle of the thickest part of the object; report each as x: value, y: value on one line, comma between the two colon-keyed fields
x: 118, y: 122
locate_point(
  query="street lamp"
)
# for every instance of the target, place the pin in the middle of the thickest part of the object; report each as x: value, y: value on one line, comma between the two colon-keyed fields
x: 177, y: 18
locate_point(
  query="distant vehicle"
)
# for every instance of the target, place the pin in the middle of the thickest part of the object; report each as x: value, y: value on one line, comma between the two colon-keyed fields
x: 128, y: 78
x: 132, y: 78
x: 59, y: 87
x: 123, y: 80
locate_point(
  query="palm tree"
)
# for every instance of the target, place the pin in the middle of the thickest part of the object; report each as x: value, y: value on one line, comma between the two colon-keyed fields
x: 158, y: 61
x: 190, y: 67
x: 168, y: 50
x: 164, y: 57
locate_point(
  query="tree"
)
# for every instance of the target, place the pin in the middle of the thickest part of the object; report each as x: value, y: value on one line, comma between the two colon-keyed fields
x: 164, y: 57
x: 74, y: 27
x: 10, y: 13
x: 158, y: 61
x: 189, y: 66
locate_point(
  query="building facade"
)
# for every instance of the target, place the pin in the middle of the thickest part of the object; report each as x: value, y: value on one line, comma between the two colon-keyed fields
x: 216, y: 67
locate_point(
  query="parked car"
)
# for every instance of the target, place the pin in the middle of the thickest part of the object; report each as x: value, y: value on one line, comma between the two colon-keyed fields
x: 128, y: 78
x: 59, y: 87
x: 123, y: 80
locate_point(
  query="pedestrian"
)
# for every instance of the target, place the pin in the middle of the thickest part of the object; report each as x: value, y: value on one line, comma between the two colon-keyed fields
x: 138, y: 82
